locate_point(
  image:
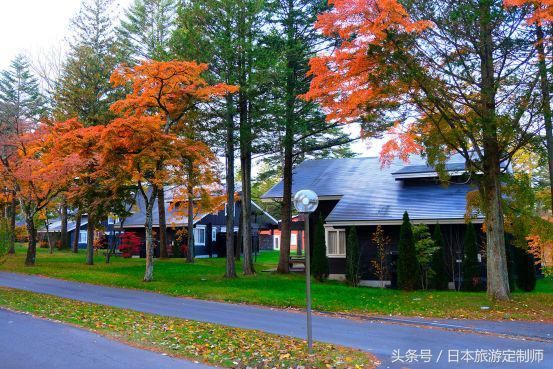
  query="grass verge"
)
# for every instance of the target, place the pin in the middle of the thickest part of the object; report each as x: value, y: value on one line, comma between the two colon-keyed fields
x: 204, y: 342
x: 204, y: 280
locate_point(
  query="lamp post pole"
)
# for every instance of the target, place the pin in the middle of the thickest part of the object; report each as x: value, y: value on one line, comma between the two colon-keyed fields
x: 308, y: 284
x: 305, y: 202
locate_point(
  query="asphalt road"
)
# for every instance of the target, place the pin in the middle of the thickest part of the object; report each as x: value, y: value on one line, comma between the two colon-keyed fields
x: 380, y: 337
x: 27, y: 342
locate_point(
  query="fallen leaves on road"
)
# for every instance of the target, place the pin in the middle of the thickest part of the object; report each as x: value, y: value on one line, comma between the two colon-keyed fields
x: 206, y: 342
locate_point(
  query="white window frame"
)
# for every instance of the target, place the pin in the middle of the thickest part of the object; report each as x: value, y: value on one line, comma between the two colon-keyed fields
x: 198, y: 229
x: 214, y: 234
x: 338, y: 230
x: 276, y: 242
x: 83, y: 236
x: 293, y: 238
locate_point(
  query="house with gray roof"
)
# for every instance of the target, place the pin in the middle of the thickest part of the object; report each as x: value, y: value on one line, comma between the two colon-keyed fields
x: 361, y: 192
x: 209, y: 228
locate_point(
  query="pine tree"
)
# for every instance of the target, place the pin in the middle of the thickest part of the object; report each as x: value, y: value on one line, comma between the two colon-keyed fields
x: 440, y: 278
x: 407, y: 265
x: 20, y: 96
x: 84, y: 91
x: 146, y: 29
x: 471, y: 267
x: 526, y: 270
x: 352, y: 258
x: 21, y: 107
x: 319, y: 263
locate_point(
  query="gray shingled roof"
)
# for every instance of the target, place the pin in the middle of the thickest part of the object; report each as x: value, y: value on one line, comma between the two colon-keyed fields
x: 371, y: 193
x: 174, y: 218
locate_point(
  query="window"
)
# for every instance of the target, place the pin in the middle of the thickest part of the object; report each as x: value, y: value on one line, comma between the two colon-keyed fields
x: 336, y: 242
x: 276, y: 242
x: 294, y: 239
x: 213, y: 234
x: 83, y: 236
x: 199, y: 236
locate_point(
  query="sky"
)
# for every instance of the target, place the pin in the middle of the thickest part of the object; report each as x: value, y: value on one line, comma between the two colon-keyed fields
x: 34, y: 27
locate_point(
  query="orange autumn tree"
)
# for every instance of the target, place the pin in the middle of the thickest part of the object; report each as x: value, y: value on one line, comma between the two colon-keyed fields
x: 96, y: 190
x: 36, y: 170
x: 154, y: 131
x: 433, y: 74
x: 172, y: 90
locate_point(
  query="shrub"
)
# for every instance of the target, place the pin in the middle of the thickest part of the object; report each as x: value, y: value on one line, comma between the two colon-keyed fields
x: 407, y: 264
x: 472, y: 277
x: 177, y: 249
x: 5, y: 239
x: 319, y: 263
x: 21, y: 234
x: 526, y: 272
x: 352, y: 258
x: 382, y: 243
x: 130, y: 244
x: 426, y: 248
x: 440, y: 277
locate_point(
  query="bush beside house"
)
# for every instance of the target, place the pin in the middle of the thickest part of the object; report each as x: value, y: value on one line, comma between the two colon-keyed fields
x: 472, y: 277
x: 440, y: 277
x: 319, y: 262
x: 526, y: 272
x: 407, y: 265
x: 352, y: 258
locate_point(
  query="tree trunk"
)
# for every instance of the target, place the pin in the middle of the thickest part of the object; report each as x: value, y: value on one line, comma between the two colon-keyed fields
x: 546, y: 104
x: 90, y: 240
x: 190, y: 255
x: 48, y: 236
x: 238, y: 245
x: 246, y: 215
x: 63, y: 232
x: 13, y: 209
x: 162, y: 224
x: 149, y: 272
x: 77, y: 233
x: 31, y: 250
x: 498, y: 282
x: 291, y: 84
x: 230, y: 269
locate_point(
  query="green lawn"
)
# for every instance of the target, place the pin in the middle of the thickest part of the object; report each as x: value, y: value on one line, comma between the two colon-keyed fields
x: 206, y: 342
x: 204, y: 280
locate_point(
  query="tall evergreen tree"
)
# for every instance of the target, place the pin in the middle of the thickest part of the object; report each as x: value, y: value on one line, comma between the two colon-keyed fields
x: 21, y: 102
x: 352, y: 258
x: 472, y: 277
x: 407, y: 265
x: 225, y: 34
x: 85, y: 92
x: 526, y: 270
x: 299, y: 127
x: 146, y: 28
x: 145, y: 33
x: 440, y: 277
x: 319, y: 262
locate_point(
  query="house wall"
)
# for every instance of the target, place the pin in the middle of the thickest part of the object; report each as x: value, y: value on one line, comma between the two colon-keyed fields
x: 453, y: 235
x: 215, y: 232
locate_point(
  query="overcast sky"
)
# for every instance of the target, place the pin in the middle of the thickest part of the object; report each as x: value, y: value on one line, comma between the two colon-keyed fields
x: 34, y: 26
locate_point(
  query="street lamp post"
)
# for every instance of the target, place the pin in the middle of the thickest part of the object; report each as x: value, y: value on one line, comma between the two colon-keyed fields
x: 306, y: 202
